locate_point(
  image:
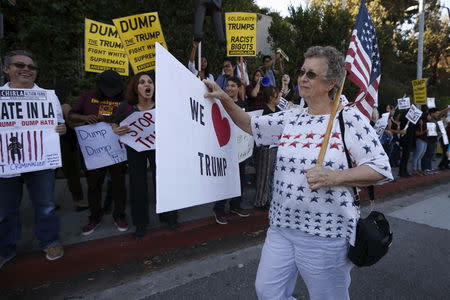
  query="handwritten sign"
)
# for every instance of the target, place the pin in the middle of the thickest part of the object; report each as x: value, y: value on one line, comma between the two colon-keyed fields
x: 196, y: 152
x: 103, y: 49
x: 420, y: 90
x: 431, y: 127
x: 28, y: 140
x: 246, y: 142
x: 404, y: 103
x: 241, y: 33
x: 413, y: 114
x: 139, y: 34
x: 141, y: 136
x: 100, y: 146
x: 431, y: 103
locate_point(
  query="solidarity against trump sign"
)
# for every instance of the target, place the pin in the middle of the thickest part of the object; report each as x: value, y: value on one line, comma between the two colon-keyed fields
x: 196, y: 155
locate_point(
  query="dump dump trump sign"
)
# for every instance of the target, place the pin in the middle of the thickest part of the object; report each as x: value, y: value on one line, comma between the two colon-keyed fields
x: 28, y: 140
x: 139, y: 34
x: 103, y: 49
x: 196, y: 155
x: 240, y: 29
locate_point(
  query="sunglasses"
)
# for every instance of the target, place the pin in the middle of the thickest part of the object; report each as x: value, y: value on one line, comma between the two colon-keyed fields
x: 22, y: 66
x: 310, y: 74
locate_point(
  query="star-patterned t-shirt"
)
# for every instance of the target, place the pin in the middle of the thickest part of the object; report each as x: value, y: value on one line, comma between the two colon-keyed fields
x: 326, y: 212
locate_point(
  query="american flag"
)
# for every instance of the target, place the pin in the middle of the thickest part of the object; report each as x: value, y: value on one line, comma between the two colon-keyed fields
x: 363, y: 62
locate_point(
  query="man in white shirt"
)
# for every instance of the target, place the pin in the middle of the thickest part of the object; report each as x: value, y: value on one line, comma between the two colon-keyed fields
x: 21, y: 69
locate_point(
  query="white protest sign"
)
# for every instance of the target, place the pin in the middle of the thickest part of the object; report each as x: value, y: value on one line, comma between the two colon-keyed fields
x: 404, y: 103
x: 141, y: 136
x: 283, y: 104
x: 431, y: 127
x: 344, y: 100
x: 28, y: 140
x: 431, y: 103
x: 100, y: 146
x: 196, y: 152
x: 245, y: 142
x: 443, y: 131
x: 381, y: 124
x: 414, y: 114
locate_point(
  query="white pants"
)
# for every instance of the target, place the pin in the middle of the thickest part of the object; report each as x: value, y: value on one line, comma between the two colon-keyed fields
x: 322, y: 263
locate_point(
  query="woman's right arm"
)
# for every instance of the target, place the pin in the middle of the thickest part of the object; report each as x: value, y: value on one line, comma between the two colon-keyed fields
x: 255, y: 90
x: 239, y: 117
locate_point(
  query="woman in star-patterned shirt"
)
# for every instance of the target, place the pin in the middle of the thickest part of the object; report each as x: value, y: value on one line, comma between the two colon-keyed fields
x: 312, y: 216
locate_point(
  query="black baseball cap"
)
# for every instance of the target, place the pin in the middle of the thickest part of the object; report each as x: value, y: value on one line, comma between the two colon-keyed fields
x: 110, y: 83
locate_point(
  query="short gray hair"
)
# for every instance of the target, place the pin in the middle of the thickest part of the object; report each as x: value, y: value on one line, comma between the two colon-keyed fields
x: 9, y: 56
x: 335, y: 63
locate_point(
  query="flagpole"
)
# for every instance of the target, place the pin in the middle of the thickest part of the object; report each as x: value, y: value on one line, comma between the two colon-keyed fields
x: 326, y: 138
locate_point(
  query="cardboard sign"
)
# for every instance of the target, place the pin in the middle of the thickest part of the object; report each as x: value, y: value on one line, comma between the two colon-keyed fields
x: 103, y: 49
x: 443, y: 131
x: 381, y: 124
x: 196, y: 153
x: 431, y: 127
x: 28, y: 140
x: 403, y: 103
x: 245, y: 142
x: 139, y: 34
x: 141, y: 136
x: 414, y: 114
x: 420, y: 91
x: 240, y: 29
x: 283, y: 104
x: 100, y: 146
x: 431, y: 103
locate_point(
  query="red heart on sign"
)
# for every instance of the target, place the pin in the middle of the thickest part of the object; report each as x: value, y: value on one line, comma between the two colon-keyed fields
x: 221, y: 126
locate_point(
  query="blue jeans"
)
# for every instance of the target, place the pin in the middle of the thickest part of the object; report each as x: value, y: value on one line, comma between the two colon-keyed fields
x: 41, y: 186
x: 421, y: 147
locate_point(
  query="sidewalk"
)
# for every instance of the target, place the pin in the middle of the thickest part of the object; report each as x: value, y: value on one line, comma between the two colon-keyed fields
x: 106, y: 246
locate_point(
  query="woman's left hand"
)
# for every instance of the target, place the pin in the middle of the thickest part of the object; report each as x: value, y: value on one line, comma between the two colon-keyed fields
x: 61, y: 128
x: 319, y: 177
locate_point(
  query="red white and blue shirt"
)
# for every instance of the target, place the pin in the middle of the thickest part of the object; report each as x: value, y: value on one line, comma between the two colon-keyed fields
x: 327, y: 212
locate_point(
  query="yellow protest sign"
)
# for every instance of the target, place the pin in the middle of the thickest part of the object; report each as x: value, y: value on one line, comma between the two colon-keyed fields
x: 139, y: 34
x: 103, y: 49
x: 420, y: 90
x: 241, y: 33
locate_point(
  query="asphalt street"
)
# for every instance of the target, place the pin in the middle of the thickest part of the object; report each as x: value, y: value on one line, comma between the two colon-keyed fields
x: 416, y: 267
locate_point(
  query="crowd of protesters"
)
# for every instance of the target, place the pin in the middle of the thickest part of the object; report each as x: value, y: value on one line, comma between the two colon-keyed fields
x: 110, y: 101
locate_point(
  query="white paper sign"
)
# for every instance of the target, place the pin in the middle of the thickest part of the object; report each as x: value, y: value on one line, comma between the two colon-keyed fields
x: 196, y: 152
x: 431, y: 103
x: 28, y: 140
x: 100, y: 146
x: 283, y: 104
x: 344, y: 100
x: 431, y: 127
x: 404, y: 103
x: 381, y: 124
x: 245, y: 142
x: 414, y: 114
x: 141, y: 136
x: 443, y: 131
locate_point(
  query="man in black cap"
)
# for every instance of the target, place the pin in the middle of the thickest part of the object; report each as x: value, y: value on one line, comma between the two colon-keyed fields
x: 94, y: 106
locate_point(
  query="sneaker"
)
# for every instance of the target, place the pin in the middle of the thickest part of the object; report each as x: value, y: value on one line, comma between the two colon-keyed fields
x: 54, y: 252
x: 239, y: 212
x: 122, y: 224
x: 4, y: 260
x: 220, y: 219
x: 90, y: 227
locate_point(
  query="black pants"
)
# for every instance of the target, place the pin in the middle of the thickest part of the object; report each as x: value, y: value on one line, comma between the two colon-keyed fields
x: 403, y: 168
x: 139, y: 196
x: 235, y: 203
x: 95, y: 180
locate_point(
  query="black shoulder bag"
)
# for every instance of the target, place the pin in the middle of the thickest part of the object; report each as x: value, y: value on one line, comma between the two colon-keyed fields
x: 373, y: 234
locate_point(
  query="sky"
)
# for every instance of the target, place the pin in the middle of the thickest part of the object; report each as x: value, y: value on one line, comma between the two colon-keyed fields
x: 281, y: 6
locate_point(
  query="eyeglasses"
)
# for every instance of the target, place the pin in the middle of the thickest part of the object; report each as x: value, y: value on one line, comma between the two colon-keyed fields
x: 310, y: 74
x: 22, y: 66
